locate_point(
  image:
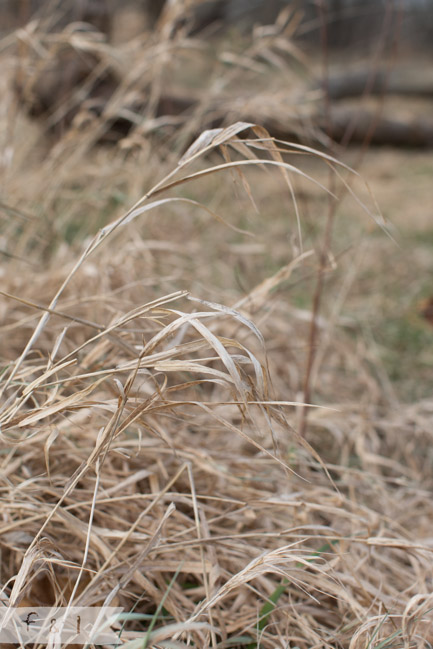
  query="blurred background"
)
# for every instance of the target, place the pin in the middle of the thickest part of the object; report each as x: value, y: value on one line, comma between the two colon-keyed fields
x: 350, y: 23
x: 94, y: 90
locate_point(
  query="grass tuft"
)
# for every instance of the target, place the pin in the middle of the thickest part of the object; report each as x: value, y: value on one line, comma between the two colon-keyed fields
x: 156, y: 348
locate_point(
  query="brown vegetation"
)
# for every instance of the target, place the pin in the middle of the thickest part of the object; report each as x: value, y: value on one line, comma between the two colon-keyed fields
x: 158, y: 326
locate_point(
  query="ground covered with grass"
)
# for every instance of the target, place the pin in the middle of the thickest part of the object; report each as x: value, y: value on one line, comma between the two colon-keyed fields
x: 177, y: 437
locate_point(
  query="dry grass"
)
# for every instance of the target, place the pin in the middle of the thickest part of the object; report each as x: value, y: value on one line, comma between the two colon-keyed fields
x: 153, y: 365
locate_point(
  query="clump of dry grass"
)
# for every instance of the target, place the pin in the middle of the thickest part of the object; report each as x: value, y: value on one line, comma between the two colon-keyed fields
x: 150, y: 453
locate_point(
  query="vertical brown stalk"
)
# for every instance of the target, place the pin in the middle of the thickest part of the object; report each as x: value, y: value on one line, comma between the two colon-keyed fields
x: 313, y: 336
x: 327, y: 237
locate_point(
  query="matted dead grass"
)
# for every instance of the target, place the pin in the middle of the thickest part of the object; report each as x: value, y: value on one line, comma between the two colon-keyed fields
x: 153, y: 368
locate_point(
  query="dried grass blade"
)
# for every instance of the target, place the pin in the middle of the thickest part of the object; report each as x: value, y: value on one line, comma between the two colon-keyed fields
x: 224, y: 356
x: 68, y: 402
x: 210, y: 139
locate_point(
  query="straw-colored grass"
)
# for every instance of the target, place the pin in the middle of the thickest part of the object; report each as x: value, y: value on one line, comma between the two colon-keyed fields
x: 153, y: 358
